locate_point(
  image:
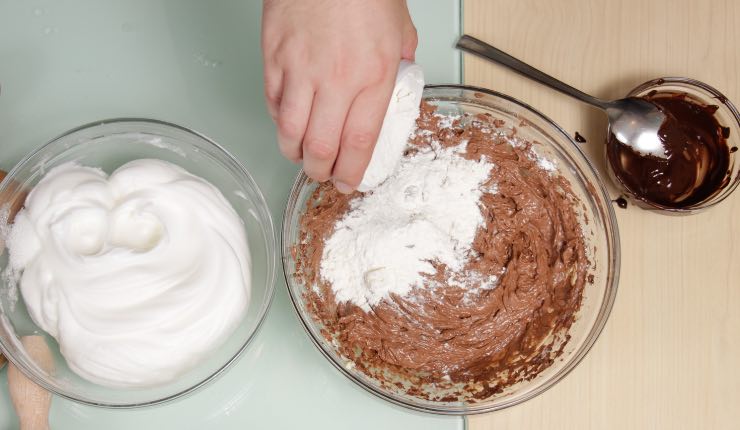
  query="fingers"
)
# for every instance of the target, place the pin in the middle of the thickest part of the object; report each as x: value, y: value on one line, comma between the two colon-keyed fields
x: 273, y: 89
x: 321, y: 142
x: 360, y: 134
x: 293, y: 115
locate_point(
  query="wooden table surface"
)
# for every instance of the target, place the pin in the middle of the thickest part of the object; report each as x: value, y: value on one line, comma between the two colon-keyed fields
x: 669, y: 357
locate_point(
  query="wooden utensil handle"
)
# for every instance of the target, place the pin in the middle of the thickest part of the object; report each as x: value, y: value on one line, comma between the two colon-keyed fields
x: 30, y: 401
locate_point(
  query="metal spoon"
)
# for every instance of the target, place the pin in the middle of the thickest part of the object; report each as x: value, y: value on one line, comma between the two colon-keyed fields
x: 634, y: 122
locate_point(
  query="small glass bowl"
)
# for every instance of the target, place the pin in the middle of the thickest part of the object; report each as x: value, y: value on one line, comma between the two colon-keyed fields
x: 600, y: 232
x: 108, y: 145
x: 727, y: 116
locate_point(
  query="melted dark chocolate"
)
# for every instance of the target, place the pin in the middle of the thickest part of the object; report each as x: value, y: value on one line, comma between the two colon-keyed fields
x: 621, y: 202
x: 579, y: 138
x: 697, y: 155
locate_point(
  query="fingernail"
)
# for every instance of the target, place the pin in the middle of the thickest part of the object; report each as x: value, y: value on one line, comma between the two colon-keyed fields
x: 343, y: 188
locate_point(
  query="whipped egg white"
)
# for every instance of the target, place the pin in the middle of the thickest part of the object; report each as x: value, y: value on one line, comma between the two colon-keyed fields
x: 137, y: 275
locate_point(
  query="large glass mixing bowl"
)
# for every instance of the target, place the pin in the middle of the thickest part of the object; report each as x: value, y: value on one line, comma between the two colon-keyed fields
x: 108, y: 145
x: 600, y: 231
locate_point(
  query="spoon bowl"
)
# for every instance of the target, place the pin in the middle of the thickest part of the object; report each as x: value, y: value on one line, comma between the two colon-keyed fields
x: 636, y: 123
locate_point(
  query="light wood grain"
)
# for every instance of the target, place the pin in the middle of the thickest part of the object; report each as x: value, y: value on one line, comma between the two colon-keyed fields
x: 669, y: 357
x: 30, y: 401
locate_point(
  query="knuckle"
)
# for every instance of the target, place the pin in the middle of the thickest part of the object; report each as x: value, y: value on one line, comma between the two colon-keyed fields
x: 342, y: 70
x: 376, y: 72
x: 360, y: 140
x: 273, y: 97
x: 379, y: 70
x: 319, y: 149
x: 291, y: 56
x: 384, y: 61
x: 270, y: 38
x: 272, y: 75
x: 297, y: 56
x: 289, y: 128
x: 347, y: 66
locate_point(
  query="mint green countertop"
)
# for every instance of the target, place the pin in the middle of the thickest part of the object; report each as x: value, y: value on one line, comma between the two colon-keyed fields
x: 197, y: 64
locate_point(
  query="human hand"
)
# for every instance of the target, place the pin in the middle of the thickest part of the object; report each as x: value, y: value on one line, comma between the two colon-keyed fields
x: 330, y: 68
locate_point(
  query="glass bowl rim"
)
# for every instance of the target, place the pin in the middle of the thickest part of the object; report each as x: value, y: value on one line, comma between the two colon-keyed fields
x: 724, y: 194
x: 611, y: 231
x: 271, y: 274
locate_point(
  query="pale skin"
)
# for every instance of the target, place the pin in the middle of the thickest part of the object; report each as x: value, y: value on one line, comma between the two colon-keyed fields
x: 330, y: 68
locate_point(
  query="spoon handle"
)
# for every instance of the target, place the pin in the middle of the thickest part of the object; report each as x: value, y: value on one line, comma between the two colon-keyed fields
x: 482, y: 49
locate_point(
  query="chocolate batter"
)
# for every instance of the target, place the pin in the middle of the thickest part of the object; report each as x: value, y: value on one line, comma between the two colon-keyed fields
x: 446, y: 342
x: 698, y: 158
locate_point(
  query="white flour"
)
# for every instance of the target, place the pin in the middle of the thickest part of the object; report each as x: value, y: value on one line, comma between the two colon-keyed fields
x: 428, y: 210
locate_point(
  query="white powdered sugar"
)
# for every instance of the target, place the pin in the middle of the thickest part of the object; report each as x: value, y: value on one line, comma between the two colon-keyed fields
x: 427, y: 211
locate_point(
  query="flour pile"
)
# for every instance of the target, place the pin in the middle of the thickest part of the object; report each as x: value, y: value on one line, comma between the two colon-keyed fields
x: 427, y: 211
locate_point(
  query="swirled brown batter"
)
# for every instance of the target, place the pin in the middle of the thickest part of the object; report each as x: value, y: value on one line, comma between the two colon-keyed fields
x: 456, y: 338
